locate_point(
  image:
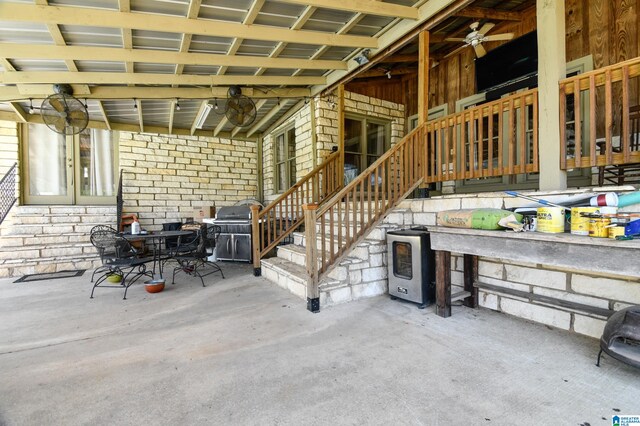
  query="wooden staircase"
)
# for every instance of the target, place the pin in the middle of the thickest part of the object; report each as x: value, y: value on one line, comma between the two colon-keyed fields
x: 347, y: 259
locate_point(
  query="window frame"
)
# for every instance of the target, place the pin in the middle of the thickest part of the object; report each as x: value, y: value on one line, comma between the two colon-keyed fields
x: 71, y: 161
x: 364, y: 119
x: 284, y: 132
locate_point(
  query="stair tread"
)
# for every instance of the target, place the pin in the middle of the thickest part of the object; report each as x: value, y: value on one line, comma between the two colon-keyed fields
x: 283, y: 265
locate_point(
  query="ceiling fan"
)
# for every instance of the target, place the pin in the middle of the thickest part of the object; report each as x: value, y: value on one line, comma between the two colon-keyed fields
x: 477, y: 36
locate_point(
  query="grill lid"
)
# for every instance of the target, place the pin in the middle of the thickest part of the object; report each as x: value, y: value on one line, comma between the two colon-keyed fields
x: 234, y: 213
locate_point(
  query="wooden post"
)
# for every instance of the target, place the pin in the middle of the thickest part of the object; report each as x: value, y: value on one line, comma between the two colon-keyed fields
x: 341, y: 136
x: 423, y: 77
x: 313, y: 293
x: 470, y: 278
x: 255, y: 239
x: 550, y: 16
x: 443, y: 283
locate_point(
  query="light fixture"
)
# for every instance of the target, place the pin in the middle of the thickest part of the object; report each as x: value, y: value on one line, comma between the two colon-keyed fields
x: 31, y: 110
x: 363, y: 57
x: 388, y: 74
x: 215, y: 106
x: 202, y: 115
x: 177, y: 105
x: 135, y: 104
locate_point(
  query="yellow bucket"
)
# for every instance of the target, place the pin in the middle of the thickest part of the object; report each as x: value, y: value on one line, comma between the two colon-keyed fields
x: 616, y: 231
x: 598, y: 227
x: 579, y: 223
x: 550, y: 219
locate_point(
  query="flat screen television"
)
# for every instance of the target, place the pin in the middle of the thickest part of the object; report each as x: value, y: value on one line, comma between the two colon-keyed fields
x: 510, y: 61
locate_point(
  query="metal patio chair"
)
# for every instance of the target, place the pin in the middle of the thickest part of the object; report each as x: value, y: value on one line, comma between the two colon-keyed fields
x: 192, y: 256
x: 119, y: 258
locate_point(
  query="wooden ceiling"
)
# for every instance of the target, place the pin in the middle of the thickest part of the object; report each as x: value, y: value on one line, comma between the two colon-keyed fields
x: 135, y: 61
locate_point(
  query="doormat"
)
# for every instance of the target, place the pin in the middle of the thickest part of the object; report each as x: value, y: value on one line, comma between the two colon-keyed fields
x: 50, y: 276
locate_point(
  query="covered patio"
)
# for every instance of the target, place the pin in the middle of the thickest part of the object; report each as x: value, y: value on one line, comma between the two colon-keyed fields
x: 242, y: 351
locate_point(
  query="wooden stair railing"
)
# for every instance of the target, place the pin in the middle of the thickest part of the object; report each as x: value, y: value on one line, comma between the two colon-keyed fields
x: 338, y: 224
x: 284, y: 215
x: 8, y: 191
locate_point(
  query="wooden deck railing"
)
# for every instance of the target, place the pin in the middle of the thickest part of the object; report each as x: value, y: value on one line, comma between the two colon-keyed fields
x: 493, y: 139
x: 337, y: 225
x: 602, y: 136
x: 284, y: 215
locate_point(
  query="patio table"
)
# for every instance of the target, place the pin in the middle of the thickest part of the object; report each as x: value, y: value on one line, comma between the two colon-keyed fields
x: 157, y: 239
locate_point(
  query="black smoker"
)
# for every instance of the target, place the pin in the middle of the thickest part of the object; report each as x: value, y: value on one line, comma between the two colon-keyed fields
x: 411, y: 264
x: 234, y: 242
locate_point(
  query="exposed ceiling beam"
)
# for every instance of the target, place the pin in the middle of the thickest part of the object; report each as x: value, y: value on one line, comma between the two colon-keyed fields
x: 172, y: 114
x: 402, y: 58
x: 125, y: 127
x: 8, y: 66
x: 192, y: 13
x: 432, y: 13
x: 223, y: 122
x: 304, y: 17
x: 363, y: 6
x: 142, y: 21
x: 104, y: 115
x: 285, y: 117
x: 22, y: 115
x: 252, y: 14
x: 380, y: 72
x: 37, y: 77
x: 140, y: 120
x: 495, y: 15
x: 41, y: 91
x: 268, y: 116
x: 92, y: 53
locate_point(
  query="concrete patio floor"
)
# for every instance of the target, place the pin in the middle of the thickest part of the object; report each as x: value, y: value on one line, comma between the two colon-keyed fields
x: 243, y: 351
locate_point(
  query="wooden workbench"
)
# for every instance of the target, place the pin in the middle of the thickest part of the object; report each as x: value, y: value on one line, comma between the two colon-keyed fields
x: 599, y: 255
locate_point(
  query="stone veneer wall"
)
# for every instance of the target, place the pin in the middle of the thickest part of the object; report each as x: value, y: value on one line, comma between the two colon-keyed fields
x: 166, y: 177
x: 326, y: 131
x: 369, y: 277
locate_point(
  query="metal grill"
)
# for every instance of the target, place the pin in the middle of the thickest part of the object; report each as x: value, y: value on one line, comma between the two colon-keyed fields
x: 8, y: 192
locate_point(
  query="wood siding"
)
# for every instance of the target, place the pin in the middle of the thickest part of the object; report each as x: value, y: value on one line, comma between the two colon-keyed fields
x: 606, y: 29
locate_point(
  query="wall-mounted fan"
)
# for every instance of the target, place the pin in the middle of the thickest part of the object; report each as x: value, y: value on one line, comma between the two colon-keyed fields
x: 240, y: 110
x: 64, y: 113
x: 477, y: 36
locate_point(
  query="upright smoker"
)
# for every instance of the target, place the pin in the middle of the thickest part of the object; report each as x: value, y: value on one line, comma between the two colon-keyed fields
x: 411, y: 264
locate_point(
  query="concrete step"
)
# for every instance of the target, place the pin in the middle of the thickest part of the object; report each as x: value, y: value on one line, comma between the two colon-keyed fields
x: 286, y: 274
x: 27, y: 266
x: 298, y: 255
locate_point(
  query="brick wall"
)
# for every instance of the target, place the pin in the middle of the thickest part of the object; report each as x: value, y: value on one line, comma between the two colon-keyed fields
x: 326, y: 131
x: 166, y: 177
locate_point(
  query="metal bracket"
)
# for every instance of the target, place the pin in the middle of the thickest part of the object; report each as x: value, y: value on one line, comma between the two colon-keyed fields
x: 257, y: 272
x: 313, y: 305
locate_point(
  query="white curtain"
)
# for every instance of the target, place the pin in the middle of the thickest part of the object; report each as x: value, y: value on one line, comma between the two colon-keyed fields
x: 47, y: 161
x: 101, y: 165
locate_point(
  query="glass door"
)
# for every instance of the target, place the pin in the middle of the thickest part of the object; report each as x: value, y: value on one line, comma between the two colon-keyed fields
x: 49, y: 166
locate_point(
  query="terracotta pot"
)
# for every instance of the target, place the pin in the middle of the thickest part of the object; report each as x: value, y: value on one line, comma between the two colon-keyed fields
x: 154, y: 286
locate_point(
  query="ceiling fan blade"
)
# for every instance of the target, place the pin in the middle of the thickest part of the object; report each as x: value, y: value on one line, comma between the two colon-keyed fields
x: 497, y: 37
x: 480, y: 50
x: 61, y: 125
x: 456, y: 39
x: 486, y: 28
x: 455, y: 52
x: 56, y: 104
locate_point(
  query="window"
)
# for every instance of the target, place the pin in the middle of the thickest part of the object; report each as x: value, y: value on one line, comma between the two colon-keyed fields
x: 285, y: 155
x: 78, y: 169
x: 365, y: 140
